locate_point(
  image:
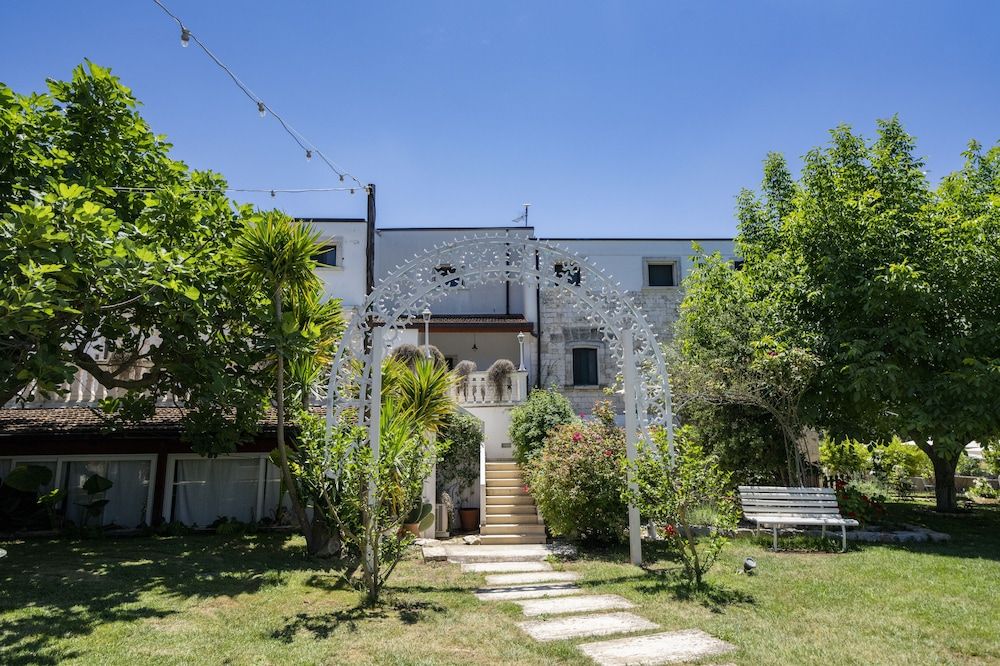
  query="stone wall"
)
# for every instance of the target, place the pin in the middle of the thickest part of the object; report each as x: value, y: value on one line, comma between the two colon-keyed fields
x: 565, y: 327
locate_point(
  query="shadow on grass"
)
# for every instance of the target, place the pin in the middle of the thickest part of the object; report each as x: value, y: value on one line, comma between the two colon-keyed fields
x: 323, y: 625
x: 710, y: 595
x: 55, y: 590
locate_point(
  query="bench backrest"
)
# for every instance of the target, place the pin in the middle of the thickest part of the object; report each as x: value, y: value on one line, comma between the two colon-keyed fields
x: 781, y: 501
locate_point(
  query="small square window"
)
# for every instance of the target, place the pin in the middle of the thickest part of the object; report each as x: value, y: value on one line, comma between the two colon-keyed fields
x: 661, y: 274
x: 572, y: 273
x: 327, y: 256
x: 584, y: 366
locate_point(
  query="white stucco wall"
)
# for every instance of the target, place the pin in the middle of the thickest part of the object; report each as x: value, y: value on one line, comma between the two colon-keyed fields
x: 346, y: 281
x: 496, y: 430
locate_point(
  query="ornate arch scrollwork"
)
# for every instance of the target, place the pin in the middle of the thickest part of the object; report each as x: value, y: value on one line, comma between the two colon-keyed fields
x: 401, y: 296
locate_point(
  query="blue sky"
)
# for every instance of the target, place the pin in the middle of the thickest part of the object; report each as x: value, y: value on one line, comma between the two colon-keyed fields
x: 611, y: 118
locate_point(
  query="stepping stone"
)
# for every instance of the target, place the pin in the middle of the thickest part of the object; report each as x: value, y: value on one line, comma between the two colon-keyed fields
x: 580, y: 626
x: 526, y: 591
x: 664, y: 648
x: 505, y: 567
x: 530, y: 578
x: 583, y: 603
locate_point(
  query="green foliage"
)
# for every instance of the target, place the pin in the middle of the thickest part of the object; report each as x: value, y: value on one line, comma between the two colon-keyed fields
x: 862, y: 500
x: 458, y: 467
x: 28, y: 478
x: 95, y: 486
x: 844, y: 458
x: 531, y: 422
x: 578, y: 479
x: 747, y: 441
x: 134, y: 287
x: 691, y: 497
x: 899, y: 454
x: 968, y: 466
x: 991, y: 457
x: 983, y: 489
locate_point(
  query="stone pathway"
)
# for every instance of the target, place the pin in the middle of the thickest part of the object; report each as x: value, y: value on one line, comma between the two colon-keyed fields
x: 542, y: 592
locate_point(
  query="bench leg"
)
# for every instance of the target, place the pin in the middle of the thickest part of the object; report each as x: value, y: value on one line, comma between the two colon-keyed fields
x: 823, y: 532
x: 774, y: 531
x: 843, y: 538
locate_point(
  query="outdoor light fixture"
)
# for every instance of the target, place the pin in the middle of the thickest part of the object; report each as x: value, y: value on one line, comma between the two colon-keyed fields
x: 474, y: 345
x: 185, y: 37
x: 520, y: 344
x: 427, y: 330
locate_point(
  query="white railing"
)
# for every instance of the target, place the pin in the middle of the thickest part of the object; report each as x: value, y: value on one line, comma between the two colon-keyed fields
x: 85, y: 391
x: 482, y: 484
x: 478, y: 389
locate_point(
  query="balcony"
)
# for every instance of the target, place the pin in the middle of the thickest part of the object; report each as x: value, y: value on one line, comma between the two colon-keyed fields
x: 478, y: 390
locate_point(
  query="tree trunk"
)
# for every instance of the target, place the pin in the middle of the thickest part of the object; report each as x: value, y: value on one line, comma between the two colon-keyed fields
x: 323, y: 542
x: 944, y: 483
x: 286, y: 472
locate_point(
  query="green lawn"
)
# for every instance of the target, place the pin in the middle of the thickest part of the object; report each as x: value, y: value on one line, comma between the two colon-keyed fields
x: 257, y: 600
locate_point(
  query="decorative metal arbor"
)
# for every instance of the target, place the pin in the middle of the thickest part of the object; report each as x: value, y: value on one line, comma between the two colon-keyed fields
x: 399, y: 299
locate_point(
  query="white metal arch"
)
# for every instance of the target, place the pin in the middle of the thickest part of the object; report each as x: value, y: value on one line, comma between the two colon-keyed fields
x: 355, y: 378
x: 484, y: 259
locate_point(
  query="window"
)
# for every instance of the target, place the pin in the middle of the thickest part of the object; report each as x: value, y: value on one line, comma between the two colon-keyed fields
x: 584, y: 366
x: 446, y: 271
x: 661, y: 274
x: 573, y: 273
x: 327, y: 256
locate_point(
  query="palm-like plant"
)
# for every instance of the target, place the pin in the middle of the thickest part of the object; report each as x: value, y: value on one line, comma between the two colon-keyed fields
x: 277, y: 253
x: 423, y: 389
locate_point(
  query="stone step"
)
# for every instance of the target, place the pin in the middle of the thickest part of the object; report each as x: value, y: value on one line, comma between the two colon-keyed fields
x: 504, y: 483
x: 526, y: 591
x: 498, y: 539
x: 506, y: 500
x: 523, y: 518
x: 502, y: 464
x: 527, y: 509
x: 580, y: 626
x: 505, y: 567
x: 512, y: 528
x: 503, y: 474
x: 506, y: 490
x: 663, y: 648
x: 575, y: 604
x: 531, y: 578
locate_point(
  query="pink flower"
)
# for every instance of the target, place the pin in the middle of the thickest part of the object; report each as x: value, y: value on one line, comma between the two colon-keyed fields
x: 577, y: 436
x: 608, y: 453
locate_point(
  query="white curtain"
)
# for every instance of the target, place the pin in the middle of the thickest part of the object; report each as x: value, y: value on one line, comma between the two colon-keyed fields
x: 127, y: 497
x: 50, y: 464
x: 207, y: 489
x: 272, y: 488
x: 4, y: 468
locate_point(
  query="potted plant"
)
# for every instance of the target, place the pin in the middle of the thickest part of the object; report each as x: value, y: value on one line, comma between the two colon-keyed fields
x: 420, y: 517
x: 499, y: 374
x: 468, y: 516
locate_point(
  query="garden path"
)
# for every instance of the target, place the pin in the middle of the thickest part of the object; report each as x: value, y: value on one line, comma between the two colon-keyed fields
x: 542, y: 592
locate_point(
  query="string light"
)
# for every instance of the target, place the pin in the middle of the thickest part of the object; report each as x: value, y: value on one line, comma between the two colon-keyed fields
x: 309, y: 156
x: 264, y: 190
x: 262, y: 108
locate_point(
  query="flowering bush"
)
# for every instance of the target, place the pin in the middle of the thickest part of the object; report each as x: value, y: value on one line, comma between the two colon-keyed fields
x: 691, y: 498
x: 578, y: 479
x: 855, y: 503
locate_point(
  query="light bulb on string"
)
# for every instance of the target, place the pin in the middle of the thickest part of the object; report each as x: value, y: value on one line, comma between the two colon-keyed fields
x: 341, y: 177
x: 309, y: 155
x: 185, y: 37
x: 261, y: 109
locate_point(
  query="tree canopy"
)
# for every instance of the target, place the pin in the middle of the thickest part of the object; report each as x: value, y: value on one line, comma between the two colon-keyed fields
x: 887, y: 283
x: 117, y: 259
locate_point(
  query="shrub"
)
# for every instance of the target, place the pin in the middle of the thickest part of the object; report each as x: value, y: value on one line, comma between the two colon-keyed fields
x: 970, y: 466
x: 897, y: 453
x: 458, y: 466
x: 846, y: 458
x: 862, y: 500
x: 531, y: 422
x: 691, y: 497
x: 578, y: 480
x: 981, y: 488
x: 991, y: 457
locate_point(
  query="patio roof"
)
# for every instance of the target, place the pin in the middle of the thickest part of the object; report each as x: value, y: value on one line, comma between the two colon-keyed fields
x: 501, y: 323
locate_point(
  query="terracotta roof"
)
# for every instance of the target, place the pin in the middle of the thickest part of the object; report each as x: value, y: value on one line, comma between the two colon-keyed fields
x: 84, y: 420
x: 489, y: 322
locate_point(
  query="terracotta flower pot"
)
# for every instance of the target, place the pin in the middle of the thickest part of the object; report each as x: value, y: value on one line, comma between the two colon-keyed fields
x: 412, y: 528
x: 469, y: 517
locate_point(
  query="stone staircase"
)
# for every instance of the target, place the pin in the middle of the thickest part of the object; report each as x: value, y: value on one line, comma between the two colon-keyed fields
x: 511, y: 515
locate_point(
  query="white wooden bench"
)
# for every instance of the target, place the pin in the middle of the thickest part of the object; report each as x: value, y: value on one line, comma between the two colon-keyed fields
x: 777, y: 506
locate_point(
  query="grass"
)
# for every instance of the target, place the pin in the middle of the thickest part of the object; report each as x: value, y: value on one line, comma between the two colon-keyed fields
x: 259, y: 600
